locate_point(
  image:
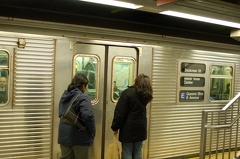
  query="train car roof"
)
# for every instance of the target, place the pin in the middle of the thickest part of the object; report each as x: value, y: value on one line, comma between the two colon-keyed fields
x: 146, y: 19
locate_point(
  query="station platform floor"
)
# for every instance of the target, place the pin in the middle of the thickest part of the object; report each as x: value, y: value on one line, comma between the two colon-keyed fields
x: 219, y: 156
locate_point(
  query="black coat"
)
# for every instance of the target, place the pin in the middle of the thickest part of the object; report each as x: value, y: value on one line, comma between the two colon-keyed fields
x: 130, y: 117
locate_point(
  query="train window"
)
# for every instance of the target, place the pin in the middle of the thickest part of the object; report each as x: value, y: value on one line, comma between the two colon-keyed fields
x: 221, y: 82
x: 89, y: 65
x: 4, y: 73
x: 123, y: 74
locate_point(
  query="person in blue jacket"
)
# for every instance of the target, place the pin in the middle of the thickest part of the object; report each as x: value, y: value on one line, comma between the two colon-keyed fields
x: 76, y: 144
x: 130, y: 117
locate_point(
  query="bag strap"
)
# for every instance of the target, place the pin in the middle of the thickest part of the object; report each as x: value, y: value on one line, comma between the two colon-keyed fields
x: 74, y: 99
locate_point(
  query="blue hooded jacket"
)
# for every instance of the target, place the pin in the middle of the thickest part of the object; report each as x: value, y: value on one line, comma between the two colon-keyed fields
x: 69, y: 135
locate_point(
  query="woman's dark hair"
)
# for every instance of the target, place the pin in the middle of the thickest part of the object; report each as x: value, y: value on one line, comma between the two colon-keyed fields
x: 143, y: 87
x: 78, y: 81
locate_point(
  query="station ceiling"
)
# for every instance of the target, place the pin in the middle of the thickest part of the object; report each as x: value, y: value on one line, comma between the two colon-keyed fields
x: 146, y: 19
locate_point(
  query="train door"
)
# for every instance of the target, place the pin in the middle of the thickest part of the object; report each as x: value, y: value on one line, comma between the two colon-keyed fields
x: 121, y: 72
x: 110, y: 69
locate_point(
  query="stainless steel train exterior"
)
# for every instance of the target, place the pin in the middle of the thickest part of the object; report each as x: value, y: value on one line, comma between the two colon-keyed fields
x: 42, y: 58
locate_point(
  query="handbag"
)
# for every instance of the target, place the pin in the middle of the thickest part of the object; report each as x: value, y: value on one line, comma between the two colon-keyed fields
x: 117, y: 154
x: 71, y: 116
x: 114, y: 150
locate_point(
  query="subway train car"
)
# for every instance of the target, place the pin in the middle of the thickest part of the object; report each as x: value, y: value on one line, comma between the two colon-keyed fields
x: 39, y: 59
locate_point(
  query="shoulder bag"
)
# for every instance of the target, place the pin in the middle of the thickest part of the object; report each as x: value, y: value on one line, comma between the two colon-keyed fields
x: 71, y: 116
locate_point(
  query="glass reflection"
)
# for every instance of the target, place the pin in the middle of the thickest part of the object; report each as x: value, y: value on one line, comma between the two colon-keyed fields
x: 3, y: 58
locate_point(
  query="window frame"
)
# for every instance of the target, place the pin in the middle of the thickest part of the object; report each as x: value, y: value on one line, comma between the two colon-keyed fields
x: 97, y: 72
x: 134, y: 69
x: 223, y: 77
x: 7, y: 68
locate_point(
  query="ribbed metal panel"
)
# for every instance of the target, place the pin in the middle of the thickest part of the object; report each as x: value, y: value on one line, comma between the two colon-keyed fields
x: 8, y: 41
x: 26, y: 129
x: 175, y: 129
x: 25, y: 133
x: 33, y: 74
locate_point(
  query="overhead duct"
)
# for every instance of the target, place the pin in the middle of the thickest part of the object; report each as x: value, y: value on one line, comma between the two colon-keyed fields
x: 206, y: 8
x: 161, y: 2
x: 235, y: 34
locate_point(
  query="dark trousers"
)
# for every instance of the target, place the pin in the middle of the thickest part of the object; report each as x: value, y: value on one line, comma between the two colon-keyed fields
x: 75, y: 152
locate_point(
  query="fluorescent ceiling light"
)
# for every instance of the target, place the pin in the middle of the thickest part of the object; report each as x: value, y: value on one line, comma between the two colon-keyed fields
x: 203, y: 19
x: 115, y: 3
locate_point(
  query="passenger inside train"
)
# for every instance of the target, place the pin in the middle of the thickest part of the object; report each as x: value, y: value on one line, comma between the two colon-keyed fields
x: 92, y: 80
x: 116, y: 93
x: 3, y: 90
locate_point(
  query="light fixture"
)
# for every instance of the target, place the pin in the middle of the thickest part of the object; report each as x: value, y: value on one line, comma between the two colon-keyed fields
x: 115, y: 3
x: 201, y: 18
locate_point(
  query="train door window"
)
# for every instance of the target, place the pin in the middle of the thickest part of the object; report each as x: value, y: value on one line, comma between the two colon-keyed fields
x: 4, y: 76
x: 123, y: 75
x: 221, y: 82
x: 89, y: 65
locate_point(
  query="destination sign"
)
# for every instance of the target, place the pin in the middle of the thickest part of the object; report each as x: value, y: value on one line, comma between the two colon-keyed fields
x: 192, y: 81
x: 193, y: 67
x: 191, y: 96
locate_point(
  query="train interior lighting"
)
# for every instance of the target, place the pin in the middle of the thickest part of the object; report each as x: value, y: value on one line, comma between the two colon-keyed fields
x: 115, y: 3
x: 201, y: 18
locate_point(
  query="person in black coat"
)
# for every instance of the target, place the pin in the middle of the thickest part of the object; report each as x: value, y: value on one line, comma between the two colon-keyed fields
x: 76, y: 144
x: 130, y: 117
